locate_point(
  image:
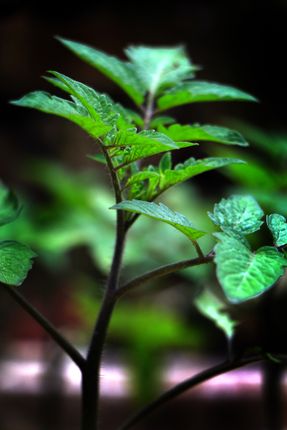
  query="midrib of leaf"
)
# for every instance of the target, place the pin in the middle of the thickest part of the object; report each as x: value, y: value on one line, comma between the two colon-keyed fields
x: 239, y: 221
x: 249, y: 267
x: 157, y: 77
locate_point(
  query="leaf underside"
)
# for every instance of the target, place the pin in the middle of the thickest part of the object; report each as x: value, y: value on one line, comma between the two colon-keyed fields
x: 214, y: 309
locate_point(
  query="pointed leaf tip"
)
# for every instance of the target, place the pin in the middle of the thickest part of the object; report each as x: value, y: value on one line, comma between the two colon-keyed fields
x: 213, y: 308
x: 121, y: 72
x: 205, y: 132
x: 201, y: 91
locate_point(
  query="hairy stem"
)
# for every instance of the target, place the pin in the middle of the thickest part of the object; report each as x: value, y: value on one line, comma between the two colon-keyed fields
x: 184, y: 386
x: 162, y: 271
x: 114, y: 177
x: 91, y: 373
x: 148, y: 110
x: 66, y: 346
x: 273, y: 371
x: 198, y: 249
x: 272, y: 395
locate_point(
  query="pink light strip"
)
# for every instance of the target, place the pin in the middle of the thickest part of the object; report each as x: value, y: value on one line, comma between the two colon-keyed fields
x: 27, y: 376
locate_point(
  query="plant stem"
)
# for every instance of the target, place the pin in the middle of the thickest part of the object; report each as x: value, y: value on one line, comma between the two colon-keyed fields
x: 198, y: 249
x: 184, y: 386
x: 272, y: 395
x: 91, y: 373
x: 90, y: 378
x: 272, y: 372
x: 114, y: 177
x: 162, y: 271
x: 72, y: 352
x: 148, y: 110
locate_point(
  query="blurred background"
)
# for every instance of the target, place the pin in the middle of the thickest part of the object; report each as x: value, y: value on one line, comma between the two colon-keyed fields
x: 158, y: 337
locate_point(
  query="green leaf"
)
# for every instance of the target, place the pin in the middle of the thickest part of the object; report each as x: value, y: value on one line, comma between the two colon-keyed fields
x: 95, y: 113
x: 100, y: 158
x: 278, y: 226
x: 252, y: 175
x: 86, y: 95
x: 165, y: 162
x: 9, y: 206
x: 72, y: 111
x: 243, y: 274
x: 200, y: 91
x: 98, y: 105
x: 159, y: 68
x: 274, y: 201
x: 192, y: 167
x: 211, y: 133
x: 162, y: 180
x: 128, y: 145
x: 272, y: 144
x: 135, y: 145
x: 161, y: 213
x: 15, y: 262
x: 237, y: 215
x: 121, y: 72
x: 211, y: 307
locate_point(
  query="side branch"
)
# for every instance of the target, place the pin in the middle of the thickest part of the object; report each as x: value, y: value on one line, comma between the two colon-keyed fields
x: 73, y: 353
x: 186, y: 385
x: 163, y: 271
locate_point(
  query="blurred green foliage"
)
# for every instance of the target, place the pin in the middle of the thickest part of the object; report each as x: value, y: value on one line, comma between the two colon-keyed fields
x: 265, y: 175
x: 74, y: 211
x: 147, y: 330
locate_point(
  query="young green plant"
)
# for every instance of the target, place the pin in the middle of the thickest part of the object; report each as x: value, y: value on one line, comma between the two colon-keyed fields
x: 156, y: 80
